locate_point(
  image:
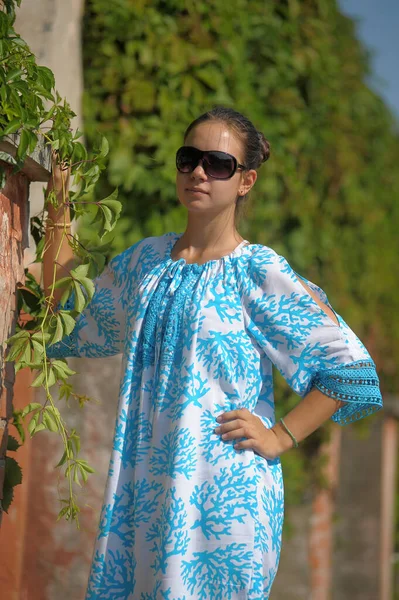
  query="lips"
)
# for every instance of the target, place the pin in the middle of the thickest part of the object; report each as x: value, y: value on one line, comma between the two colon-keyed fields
x: 196, y: 190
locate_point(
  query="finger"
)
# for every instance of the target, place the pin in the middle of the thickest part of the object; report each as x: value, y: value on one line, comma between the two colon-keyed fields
x: 233, y: 414
x: 234, y: 434
x: 244, y: 445
x: 229, y: 426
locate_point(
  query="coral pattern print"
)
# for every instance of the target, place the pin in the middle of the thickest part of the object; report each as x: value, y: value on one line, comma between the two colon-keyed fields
x: 185, y: 515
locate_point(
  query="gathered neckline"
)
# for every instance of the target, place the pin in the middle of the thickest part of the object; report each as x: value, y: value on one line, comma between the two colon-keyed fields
x: 214, y: 261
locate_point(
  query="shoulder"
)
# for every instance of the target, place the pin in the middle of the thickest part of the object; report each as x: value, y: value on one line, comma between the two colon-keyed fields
x: 139, y: 258
x: 148, y: 245
x: 265, y: 263
x: 273, y: 273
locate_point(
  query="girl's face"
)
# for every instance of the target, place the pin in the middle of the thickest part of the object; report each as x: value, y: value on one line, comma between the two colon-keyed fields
x: 215, y: 195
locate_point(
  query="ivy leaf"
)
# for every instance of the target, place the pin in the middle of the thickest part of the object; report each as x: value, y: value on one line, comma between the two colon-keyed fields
x: 8, y: 497
x: 20, y: 348
x: 68, y: 321
x: 51, y: 380
x: 39, y: 380
x: 80, y: 300
x: 39, y: 427
x: 37, y: 348
x: 104, y: 147
x: 31, y: 407
x: 61, y: 282
x: 12, y: 127
x: 13, y: 472
x: 49, y: 419
x: 46, y: 77
x: 106, y: 215
x: 76, y: 475
x: 12, y: 444
x: 88, y: 287
x: 86, y: 466
x: 23, y: 144
x: 66, y: 295
x: 62, y: 368
x: 75, y: 442
x: 80, y: 271
x: 18, y: 424
x: 59, y: 330
x: 109, y: 211
x: 40, y: 336
x: 65, y: 391
x: 12, y: 477
x: 62, y: 460
x: 49, y: 114
x: 33, y: 424
x: 17, y: 336
x: 26, y: 354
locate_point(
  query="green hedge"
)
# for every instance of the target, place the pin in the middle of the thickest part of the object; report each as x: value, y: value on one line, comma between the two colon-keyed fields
x: 328, y: 197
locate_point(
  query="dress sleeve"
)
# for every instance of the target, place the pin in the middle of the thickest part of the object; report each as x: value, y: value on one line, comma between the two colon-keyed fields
x: 100, y: 328
x: 308, y: 348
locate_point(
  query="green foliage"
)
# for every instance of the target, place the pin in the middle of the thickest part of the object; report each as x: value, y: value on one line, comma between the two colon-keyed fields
x: 32, y: 109
x: 13, y: 477
x: 328, y: 197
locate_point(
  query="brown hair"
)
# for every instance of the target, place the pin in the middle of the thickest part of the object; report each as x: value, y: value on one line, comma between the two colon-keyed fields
x: 256, y: 147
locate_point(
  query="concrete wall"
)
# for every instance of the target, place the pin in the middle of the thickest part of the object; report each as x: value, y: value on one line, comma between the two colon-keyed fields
x: 358, y: 516
x: 57, y: 558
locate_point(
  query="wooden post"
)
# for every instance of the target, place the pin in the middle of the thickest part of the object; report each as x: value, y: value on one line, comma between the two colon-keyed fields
x: 388, y: 490
x: 321, y: 530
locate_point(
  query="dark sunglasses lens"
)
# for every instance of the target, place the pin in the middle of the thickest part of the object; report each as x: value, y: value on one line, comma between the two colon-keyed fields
x: 186, y: 160
x: 219, y: 165
x: 216, y: 164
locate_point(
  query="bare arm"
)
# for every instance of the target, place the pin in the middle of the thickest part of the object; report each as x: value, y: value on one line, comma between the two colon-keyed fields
x: 307, y: 416
x: 57, y: 249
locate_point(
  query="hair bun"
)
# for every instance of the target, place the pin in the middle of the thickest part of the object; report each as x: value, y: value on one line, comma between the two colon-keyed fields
x: 264, y: 147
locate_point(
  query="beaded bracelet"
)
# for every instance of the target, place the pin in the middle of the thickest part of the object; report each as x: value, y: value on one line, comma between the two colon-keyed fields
x: 292, y: 436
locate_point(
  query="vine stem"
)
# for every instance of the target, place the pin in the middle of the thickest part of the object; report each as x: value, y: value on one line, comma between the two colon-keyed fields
x: 60, y: 424
x: 83, y: 202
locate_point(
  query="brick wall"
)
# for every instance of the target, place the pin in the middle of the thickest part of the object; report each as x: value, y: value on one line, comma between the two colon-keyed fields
x: 14, y: 219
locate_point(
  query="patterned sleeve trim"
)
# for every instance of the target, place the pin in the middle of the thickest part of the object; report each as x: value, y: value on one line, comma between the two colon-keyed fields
x: 356, y: 384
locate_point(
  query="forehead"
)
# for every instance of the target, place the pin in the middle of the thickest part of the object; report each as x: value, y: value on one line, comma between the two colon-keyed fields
x: 214, y: 136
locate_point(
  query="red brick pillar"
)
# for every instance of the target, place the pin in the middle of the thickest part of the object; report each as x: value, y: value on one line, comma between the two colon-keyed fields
x: 321, y: 530
x: 13, y: 529
x: 13, y: 240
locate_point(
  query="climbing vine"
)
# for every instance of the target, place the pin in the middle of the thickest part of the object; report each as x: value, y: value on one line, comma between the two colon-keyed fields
x: 32, y: 112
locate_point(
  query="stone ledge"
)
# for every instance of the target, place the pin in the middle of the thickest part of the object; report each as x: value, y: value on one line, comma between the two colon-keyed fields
x: 37, y: 166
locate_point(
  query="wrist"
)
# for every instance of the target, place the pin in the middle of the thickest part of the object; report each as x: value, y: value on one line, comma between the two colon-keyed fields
x: 285, y: 441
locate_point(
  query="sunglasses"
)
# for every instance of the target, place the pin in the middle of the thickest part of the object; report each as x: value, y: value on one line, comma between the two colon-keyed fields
x: 218, y: 165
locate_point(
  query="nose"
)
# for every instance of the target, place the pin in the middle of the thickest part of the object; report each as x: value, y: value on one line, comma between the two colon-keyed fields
x: 199, y: 170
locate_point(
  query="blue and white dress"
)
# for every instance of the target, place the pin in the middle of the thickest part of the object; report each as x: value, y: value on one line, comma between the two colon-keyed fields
x: 185, y: 515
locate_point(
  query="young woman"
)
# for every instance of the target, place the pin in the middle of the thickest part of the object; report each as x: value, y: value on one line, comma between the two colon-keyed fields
x: 193, y: 507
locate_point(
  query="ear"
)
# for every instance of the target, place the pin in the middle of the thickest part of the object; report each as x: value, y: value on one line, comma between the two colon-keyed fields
x: 247, y: 181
